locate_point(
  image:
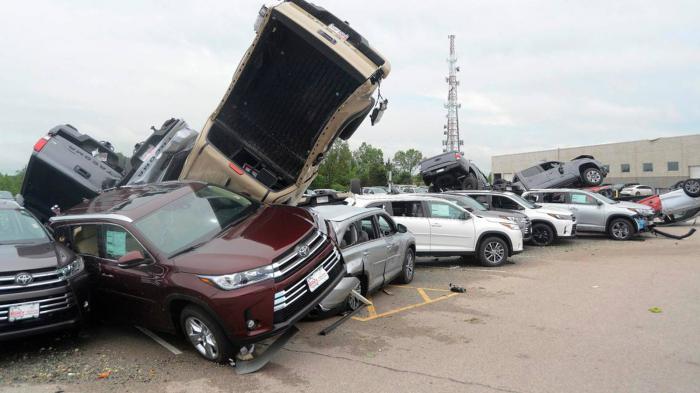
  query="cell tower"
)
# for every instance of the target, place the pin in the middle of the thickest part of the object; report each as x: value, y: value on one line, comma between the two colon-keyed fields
x: 452, y: 141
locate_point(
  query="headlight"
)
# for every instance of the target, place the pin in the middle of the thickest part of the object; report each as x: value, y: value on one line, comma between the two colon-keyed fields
x: 228, y: 282
x: 560, y: 216
x: 72, y: 268
x: 512, y: 226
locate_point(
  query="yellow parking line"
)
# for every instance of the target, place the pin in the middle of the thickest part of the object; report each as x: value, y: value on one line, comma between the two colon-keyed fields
x: 429, y: 289
x: 424, y: 295
x: 412, y: 306
x: 372, y: 311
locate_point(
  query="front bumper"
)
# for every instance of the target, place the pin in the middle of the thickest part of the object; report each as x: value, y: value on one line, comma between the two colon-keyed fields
x: 566, y: 230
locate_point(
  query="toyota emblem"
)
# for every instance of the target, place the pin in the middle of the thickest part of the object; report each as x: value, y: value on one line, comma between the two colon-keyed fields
x: 303, y: 250
x: 23, y: 279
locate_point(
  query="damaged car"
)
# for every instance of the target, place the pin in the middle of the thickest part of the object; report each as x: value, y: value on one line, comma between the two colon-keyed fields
x: 582, y: 171
x: 679, y: 204
x: 452, y: 171
x: 222, y: 269
x: 307, y: 79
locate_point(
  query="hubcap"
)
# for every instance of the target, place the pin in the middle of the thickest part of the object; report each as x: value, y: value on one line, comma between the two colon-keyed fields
x: 620, y: 230
x: 494, y: 252
x: 593, y: 176
x: 692, y: 186
x: 201, y: 338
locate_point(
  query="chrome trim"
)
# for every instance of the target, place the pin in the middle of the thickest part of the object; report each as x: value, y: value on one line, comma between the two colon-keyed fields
x: 314, y: 244
x: 70, y: 217
x: 46, y: 306
x: 32, y: 285
x: 287, y: 297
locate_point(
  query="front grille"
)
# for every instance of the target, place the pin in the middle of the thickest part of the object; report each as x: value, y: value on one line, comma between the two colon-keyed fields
x: 49, y: 307
x: 573, y: 229
x: 41, y: 279
x: 295, y: 297
x: 288, y: 264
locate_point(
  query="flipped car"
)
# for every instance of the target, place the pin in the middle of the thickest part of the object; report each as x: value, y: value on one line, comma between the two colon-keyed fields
x: 452, y: 171
x: 376, y: 250
x: 582, y: 171
x: 216, y: 266
x: 307, y: 79
x: 43, y: 284
x: 680, y: 204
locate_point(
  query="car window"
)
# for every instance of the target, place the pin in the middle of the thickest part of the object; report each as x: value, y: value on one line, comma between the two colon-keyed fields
x: 85, y: 239
x: 501, y: 202
x: 407, y: 209
x: 444, y: 210
x: 386, y: 226
x: 386, y: 206
x: 554, y: 197
x: 533, y: 197
x: 350, y: 236
x: 578, y: 198
x: 365, y: 230
x: 481, y: 198
x: 117, y: 242
x: 532, y: 171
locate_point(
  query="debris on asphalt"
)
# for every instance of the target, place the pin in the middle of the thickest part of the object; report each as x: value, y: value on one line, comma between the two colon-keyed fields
x: 387, y: 292
x: 458, y: 289
x: 655, y: 310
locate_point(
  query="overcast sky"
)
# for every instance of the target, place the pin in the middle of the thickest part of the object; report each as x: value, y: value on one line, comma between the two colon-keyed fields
x: 534, y: 74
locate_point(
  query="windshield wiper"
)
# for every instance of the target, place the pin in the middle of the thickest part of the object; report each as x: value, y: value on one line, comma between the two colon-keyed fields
x: 188, y: 249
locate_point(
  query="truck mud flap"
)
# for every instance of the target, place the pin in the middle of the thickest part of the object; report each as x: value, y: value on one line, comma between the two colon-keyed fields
x: 672, y: 236
x: 250, y: 366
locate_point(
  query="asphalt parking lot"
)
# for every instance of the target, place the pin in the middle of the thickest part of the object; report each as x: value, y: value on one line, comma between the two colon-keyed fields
x: 573, y: 317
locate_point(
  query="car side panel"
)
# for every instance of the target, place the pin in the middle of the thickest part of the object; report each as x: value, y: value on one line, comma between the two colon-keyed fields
x: 420, y: 228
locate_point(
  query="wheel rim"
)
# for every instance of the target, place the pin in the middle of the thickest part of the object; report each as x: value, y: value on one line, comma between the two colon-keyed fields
x: 410, y: 264
x: 494, y: 252
x: 540, y: 235
x: 201, y: 337
x: 353, y: 302
x: 593, y: 176
x: 692, y: 186
x: 620, y: 230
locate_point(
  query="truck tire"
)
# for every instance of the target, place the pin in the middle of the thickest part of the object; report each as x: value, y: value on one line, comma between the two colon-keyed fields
x: 542, y: 234
x: 205, y: 335
x: 592, y: 176
x: 470, y: 182
x: 692, y: 187
x: 446, y: 182
x: 493, y: 251
x: 621, y: 229
x: 355, y: 186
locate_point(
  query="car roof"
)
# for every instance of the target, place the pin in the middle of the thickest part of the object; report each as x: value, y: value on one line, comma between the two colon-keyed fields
x: 338, y: 213
x: 485, y: 192
x: 7, y: 204
x: 558, y: 190
x: 129, y: 203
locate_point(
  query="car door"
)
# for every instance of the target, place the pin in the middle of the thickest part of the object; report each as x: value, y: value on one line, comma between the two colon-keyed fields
x: 135, y: 291
x: 411, y: 213
x: 483, y: 199
x: 388, y: 232
x: 589, y: 213
x: 451, y: 228
x: 373, y: 250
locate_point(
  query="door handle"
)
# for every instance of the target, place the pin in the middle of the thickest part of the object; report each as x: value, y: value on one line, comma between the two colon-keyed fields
x: 436, y: 225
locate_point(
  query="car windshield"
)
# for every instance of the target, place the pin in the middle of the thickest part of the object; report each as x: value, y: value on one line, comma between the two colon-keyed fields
x: 524, y: 202
x: 465, y: 202
x: 194, y: 218
x: 20, y: 227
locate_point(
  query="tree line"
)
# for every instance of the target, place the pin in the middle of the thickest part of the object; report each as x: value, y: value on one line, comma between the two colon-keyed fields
x: 366, y: 163
x: 12, y: 183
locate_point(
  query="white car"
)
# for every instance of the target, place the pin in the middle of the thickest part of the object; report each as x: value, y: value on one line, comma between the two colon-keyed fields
x: 548, y: 223
x: 442, y: 228
x: 637, y: 190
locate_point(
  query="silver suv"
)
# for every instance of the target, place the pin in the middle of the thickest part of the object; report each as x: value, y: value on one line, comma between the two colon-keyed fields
x: 596, y: 213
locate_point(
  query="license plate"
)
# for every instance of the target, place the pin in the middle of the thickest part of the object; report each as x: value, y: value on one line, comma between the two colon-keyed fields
x: 317, y: 278
x: 640, y: 223
x: 23, y: 311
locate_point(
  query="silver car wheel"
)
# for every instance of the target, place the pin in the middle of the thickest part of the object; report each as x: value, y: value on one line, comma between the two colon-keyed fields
x: 410, y: 264
x: 494, y: 252
x: 692, y: 186
x: 353, y: 302
x: 202, y: 338
x: 593, y: 176
x: 620, y: 230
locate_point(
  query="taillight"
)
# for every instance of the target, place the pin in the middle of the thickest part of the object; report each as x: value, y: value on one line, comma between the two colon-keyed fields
x: 41, y: 143
x: 235, y: 168
x: 457, y: 156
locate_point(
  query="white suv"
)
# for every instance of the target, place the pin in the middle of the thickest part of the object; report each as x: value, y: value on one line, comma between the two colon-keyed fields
x: 547, y: 223
x: 442, y: 228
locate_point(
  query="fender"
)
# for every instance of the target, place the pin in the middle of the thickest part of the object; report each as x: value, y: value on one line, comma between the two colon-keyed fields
x: 501, y: 235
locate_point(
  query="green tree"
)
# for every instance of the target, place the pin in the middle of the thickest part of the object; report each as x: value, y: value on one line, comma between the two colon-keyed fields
x: 12, y: 183
x: 336, y: 170
x: 369, y: 165
x: 405, y: 165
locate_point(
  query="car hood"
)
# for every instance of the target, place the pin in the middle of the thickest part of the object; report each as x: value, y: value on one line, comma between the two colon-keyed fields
x: 631, y: 205
x: 33, y: 256
x: 253, y: 243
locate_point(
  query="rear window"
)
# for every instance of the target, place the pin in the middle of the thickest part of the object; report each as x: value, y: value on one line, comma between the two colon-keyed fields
x: 532, y: 171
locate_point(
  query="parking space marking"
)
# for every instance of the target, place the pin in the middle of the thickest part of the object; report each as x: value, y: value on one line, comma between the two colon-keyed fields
x: 372, y: 311
x: 159, y: 340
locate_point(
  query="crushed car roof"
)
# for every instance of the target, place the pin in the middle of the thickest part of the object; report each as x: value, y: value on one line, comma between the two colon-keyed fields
x: 339, y: 213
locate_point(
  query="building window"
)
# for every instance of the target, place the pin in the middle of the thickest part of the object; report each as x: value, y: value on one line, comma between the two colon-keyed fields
x: 673, y: 166
x: 648, y: 167
x: 624, y: 168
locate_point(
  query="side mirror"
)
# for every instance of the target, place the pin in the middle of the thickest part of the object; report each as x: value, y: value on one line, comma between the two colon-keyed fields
x: 401, y: 228
x: 131, y: 259
x: 599, y: 203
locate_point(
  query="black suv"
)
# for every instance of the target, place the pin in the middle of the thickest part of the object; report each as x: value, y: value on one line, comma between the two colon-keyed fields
x: 451, y: 171
x: 43, y: 286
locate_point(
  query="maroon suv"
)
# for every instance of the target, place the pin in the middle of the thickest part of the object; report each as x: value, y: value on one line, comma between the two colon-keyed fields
x: 187, y: 256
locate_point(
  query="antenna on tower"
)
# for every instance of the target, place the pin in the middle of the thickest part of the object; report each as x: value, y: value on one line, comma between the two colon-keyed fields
x: 452, y: 141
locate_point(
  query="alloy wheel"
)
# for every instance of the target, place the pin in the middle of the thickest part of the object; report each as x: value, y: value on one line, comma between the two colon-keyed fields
x: 593, y: 177
x: 353, y: 302
x: 494, y: 252
x: 620, y: 230
x: 692, y: 186
x: 540, y: 236
x: 410, y: 264
x: 201, y: 338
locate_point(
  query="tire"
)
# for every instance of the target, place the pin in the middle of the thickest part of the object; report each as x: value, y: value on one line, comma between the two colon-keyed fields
x: 355, y: 186
x: 205, y: 335
x: 542, y: 234
x: 592, y: 176
x: 352, y: 303
x: 692, y: 187
x: 621, y: 229
x: 638, y: 193
x: 446, y: 182
x: 408, y: 268
x: 469, y: 182
x: 493, y: 251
